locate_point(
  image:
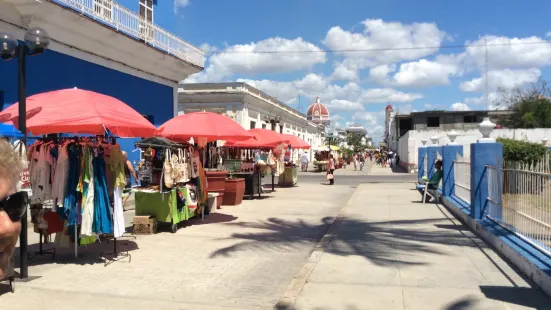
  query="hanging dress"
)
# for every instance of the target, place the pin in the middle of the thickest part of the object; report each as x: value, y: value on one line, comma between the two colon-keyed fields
x: 103, y: 220
x: 88, y: 205
x: 41, y: 187
x: 70, y: 204
x: 117, y: 164
x: 60, y: 177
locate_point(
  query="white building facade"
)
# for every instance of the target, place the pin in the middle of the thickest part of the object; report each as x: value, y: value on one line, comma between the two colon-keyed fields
x: 251, y: 108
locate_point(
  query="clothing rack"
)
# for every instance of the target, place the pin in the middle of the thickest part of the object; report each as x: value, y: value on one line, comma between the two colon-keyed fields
x: 56, y: 138
x: 41, y: 251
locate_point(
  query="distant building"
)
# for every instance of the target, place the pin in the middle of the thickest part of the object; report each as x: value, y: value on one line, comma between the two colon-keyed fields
x: 250, y: 107
x: 444, y: 120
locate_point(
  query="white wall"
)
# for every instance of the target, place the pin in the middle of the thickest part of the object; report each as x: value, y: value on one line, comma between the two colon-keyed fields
x: 411, y: 141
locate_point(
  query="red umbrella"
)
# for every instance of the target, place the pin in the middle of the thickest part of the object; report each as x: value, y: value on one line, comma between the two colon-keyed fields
x: 80, y: 112
x: 262, y: 138
x: 202, y: 125
x: 297, y: 143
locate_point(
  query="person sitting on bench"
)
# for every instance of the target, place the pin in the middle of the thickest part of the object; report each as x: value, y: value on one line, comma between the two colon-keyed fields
x: 432, y: 182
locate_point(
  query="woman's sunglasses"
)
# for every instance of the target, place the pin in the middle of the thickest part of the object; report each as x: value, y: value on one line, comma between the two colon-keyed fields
x: 15, y: 205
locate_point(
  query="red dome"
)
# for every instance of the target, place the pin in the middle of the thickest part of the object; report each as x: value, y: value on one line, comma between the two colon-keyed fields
x: 389, y: 107
x: 317, y: 109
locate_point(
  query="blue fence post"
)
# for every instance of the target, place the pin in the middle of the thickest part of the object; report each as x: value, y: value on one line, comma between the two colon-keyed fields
x: 431, y: 157
x: 421, y: 152
x: 486, y: 152
x: 449, y: 154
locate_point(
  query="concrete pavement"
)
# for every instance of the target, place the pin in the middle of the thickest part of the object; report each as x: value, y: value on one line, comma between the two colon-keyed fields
x: 388, y: 251
x: 242, y: 257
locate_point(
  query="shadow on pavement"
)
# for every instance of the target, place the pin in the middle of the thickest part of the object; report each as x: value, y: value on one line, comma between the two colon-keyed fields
x: 87, y: 254
x: 211, y: 219
x: 377, y: 242
x: 522, y: 296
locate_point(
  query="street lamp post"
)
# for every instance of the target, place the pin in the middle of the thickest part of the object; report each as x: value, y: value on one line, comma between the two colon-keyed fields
x: 36, y: 42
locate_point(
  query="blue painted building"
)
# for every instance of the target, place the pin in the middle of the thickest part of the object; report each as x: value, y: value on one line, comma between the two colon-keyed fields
x: 116, y: 48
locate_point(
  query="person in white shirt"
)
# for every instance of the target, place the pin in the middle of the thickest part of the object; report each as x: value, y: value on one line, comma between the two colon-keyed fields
x: 304, y: 161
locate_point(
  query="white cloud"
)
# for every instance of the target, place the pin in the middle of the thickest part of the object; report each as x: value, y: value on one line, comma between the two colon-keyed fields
x: 345, y: 71
x: 420, y: 73
x: 337, y: 105
x: 261, y: 57
x: 506, y: 78
x: 207, y: 48
x: 313, y: 85
x: 459, y: 106
x: 367, y: 118
x: 406, y: 39
x: 180, y: 4
x: 378, y: 95
x: 505, y: 52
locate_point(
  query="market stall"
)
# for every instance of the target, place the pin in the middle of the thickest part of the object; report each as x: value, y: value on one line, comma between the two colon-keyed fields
x: 205, y: 127
x: 321, y: 157
x: 77, y: 182
x: 258, y: 157
x: 171, y: 182
x: 289, y: 175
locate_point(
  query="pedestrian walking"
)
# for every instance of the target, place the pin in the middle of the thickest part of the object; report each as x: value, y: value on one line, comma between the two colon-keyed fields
x: 331, y: 170
x: 362, y: 161
x: 304, y: 161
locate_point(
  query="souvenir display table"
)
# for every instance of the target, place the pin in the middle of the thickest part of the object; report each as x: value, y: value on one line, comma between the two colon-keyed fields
x: 289, y: 176
x: 172, y: 181
x: 164, y: 206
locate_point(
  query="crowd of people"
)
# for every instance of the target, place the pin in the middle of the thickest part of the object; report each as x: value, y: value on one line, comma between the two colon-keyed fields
x: 382, y: 158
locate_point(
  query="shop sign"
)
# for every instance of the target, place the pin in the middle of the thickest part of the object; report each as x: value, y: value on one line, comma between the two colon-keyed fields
x: 25, y: 179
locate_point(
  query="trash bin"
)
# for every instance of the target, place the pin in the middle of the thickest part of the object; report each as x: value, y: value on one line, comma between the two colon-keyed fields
x: 211, y: 203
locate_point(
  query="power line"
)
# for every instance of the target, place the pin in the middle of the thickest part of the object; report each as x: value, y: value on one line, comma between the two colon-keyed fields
x: 365, y: 50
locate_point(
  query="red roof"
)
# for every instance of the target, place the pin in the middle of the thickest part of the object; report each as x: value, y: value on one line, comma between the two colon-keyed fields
x: 389, y: 107
x: 319, y: 108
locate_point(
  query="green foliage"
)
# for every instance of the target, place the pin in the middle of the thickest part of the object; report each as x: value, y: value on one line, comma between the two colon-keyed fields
x: 354, y: 140
x: 521, y: 151
x: 530, y: 106
x: 332, y: 140
x: 531, y: 113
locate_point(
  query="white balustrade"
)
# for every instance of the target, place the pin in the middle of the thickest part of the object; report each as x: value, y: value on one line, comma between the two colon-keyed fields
x: 122, y: 19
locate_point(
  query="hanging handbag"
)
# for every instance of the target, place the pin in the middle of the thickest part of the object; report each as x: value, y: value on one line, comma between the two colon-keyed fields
x: 168, y: 170
x: 195, y: 164
x: 329, y: 176
x: 181, y: 166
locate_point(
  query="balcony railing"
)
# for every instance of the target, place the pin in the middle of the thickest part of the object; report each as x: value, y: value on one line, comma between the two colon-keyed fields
x: 122, y: 19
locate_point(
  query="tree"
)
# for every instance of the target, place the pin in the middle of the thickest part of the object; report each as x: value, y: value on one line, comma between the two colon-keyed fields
x: 354, y: 141
x: 531, y: 106
x: 332, y: 140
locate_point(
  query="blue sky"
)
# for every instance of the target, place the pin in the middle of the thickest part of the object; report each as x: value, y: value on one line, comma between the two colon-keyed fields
x: 356, y: 86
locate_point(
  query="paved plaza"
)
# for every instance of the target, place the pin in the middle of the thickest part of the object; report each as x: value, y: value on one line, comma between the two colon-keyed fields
x: 385, y: 250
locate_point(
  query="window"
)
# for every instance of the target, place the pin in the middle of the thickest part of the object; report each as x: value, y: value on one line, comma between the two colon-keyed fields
x: 280, y: 129
x: 470, y: 119
x: 146, y: 13
x: 263, y: 126
x: 103, y: 9
x: 433, y: 121
x: 253, y: 125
